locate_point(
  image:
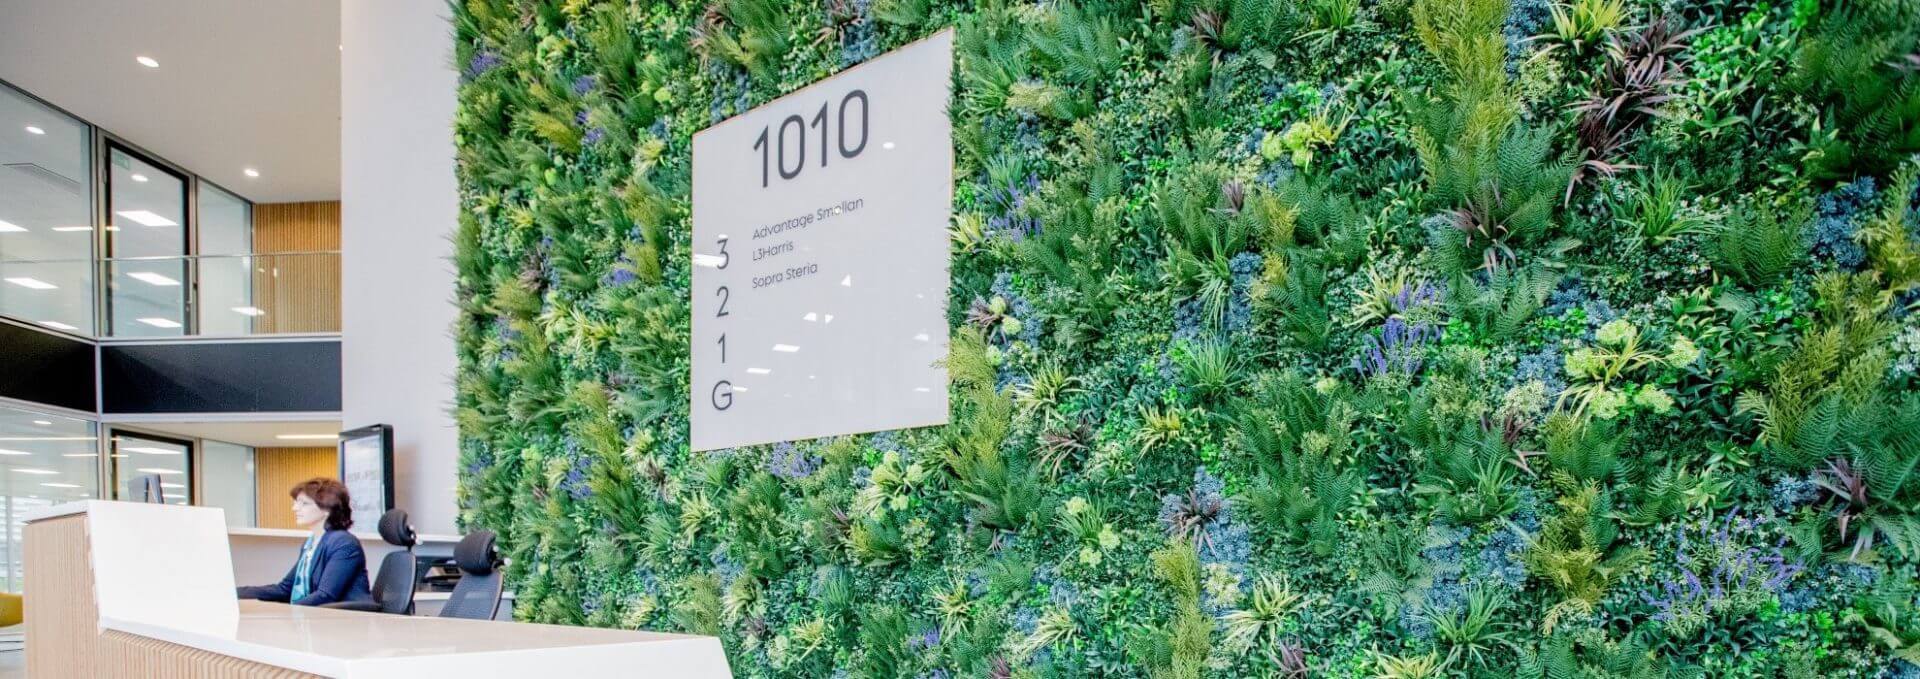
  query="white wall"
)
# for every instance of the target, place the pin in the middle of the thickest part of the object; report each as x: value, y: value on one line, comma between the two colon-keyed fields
x: 399, y: 206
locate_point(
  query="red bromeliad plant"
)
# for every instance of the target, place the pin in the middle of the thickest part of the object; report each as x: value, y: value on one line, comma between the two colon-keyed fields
x: 1642, y: 69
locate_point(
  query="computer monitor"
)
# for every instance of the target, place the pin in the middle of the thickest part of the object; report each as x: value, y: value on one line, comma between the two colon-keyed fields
x: 147, y: 488
x: 366, y: 467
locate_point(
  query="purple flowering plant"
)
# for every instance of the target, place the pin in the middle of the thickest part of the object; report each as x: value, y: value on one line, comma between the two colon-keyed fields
x: 1719, y: 575
x: 1399, y: 348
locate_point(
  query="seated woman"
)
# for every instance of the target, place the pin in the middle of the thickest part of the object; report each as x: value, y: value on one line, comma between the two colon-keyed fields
x: 331, y: 566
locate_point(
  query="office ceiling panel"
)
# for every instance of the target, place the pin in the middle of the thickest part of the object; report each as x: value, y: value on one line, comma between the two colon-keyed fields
x: 240, y: 83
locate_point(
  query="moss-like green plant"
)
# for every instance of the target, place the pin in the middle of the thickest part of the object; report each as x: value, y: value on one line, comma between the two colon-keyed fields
x: 1756, y: 244
x: 1475, y: 636
x: 1178, y: 650
x: 1857, y: 63
x: 1576, y: 555
x: 1890, y: 616
x: 1262, y: 622
x: 749, y: 34
x: 1583, y: 24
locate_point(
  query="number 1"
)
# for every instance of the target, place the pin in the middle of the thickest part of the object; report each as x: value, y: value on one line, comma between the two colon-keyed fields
x: 820, y: 121
x: 761, y: 144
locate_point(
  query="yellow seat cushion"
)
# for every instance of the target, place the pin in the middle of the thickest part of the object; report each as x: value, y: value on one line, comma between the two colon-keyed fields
x: 12, y: 609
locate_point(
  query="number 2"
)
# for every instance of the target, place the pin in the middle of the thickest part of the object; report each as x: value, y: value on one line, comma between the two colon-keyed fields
x: 725, y: 295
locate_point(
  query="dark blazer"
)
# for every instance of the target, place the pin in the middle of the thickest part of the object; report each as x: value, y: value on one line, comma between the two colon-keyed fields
x: 339, y: 574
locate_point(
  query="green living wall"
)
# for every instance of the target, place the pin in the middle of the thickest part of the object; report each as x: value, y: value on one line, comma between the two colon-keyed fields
x: 1397, y: 338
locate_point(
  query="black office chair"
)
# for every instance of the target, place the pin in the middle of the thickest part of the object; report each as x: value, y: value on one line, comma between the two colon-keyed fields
x: 393, y: 590
x: 477, y: 596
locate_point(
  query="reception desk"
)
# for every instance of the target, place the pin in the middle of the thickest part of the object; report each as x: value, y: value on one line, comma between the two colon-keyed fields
x: 120, y: 589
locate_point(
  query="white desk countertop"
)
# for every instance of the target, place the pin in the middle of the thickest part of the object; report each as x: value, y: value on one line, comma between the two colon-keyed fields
x: 337, y: 643
x: 185, y: 595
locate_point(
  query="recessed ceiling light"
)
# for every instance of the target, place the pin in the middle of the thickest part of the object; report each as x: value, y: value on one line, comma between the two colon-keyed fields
x: 147, y: 61
x: 139, y: 177
x: 60, y: 485
x: 10, y: 227
x: 150, y: 450
x: 44, y: 423
x: 307, y: 437
x: 35, y: 129
x: 171, y: 485
x: 147, y: 218
x: 9, y: 451
x: 251, y: 172
x: 31, y: 283
x: 56, y: 325
x: 250, y: 311
x: 152, y: 278
x: 69, y: 229
x: 29, y: 470
x: 156, y: 470
x: 81, y: 455
x: 785, y: 348
x: 158, y: 322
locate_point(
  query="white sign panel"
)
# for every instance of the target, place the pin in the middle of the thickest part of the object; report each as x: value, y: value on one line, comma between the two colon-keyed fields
x: 820, y: 257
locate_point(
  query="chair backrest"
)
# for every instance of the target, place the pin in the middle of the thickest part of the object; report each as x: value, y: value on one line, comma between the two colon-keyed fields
x: 477, y: 596
x: 393, y: 590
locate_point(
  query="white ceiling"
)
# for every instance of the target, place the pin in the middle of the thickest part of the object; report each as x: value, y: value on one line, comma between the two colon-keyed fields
x: 256, y: 434
x: 241, y: 83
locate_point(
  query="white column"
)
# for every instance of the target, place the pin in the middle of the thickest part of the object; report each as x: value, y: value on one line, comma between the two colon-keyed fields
x: 399, y: 207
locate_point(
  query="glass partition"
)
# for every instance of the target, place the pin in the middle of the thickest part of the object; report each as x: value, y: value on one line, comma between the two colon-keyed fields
x: 153, y: 252
x: 137, y: 457
x: 46, y: 216
x: 147, y: 217
x: 294, y: 292
x: 226, y: 292
x: 45, y: 460
x: 226, y: 480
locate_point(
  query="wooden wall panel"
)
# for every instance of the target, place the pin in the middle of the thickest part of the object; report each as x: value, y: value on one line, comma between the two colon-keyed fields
x: 61, y: 617
x: 130, y: 655
x: 299, y: 293
x: 277, y: 469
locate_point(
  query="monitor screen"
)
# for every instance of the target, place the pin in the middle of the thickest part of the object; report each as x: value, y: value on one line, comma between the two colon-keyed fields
x: 147, y: 488
x: 366, y: 467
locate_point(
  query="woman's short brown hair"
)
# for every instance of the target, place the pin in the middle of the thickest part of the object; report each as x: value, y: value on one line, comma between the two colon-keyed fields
x: 330, y: 495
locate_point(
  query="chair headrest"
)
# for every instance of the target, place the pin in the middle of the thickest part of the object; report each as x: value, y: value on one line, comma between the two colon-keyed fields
x: 476, y: 554
x: 395, y: 529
